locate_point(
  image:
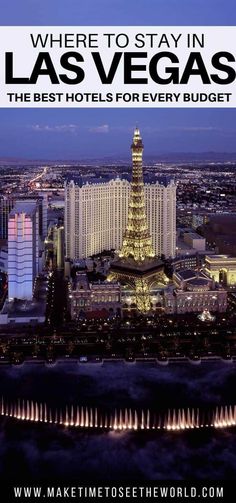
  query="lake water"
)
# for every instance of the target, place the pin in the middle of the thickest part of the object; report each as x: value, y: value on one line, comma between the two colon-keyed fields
x: 39, y: 451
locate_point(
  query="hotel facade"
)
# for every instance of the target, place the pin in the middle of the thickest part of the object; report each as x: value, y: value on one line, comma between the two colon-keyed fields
x: 23, y: 249
x: 96, y: 212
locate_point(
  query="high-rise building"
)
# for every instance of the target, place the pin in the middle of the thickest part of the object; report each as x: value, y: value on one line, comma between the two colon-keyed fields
x: 43, y: 208
x: 42, y: 201
x: 23, y: 249
x: 160, y: 200
x: 58, y: 245
x: 6, y: 205
x: 96, y: 214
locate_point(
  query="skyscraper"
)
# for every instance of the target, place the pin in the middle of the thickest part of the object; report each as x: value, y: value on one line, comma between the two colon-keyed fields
x: 6, y: 205
x: 42, y: 203
x: 95, y: 215
x: 23, y: 252
x: 58, y: 245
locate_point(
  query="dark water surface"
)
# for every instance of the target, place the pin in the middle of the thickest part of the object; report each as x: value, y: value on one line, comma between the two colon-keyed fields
x: 42, y: 451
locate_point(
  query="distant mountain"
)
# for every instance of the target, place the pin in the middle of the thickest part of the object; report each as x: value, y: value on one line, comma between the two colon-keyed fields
x: 195, y: 156
x: 176, y: 157
x: 13, y: 161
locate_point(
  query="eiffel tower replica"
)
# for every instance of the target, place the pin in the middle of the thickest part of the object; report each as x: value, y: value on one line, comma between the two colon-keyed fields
x: 137, y: 266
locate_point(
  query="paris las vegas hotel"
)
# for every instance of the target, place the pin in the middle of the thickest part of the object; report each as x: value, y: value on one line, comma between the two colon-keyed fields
x: 96, y: 212
x: 96, y: 219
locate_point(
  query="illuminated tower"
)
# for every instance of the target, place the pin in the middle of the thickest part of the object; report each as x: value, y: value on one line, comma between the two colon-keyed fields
x: 137, y: 240
x: 23, y: 249
x: 137, y: 267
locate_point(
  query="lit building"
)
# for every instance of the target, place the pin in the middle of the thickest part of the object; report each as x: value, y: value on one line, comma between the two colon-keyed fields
x: 160, y: 198
x: 42, y: 201
x: 4, y: 259
x: 190, y: 260
x: 194, y: 292
x: 136, y: 265
x: 6, y: 205
x: 222, y: 269
x: 94, y: 298
x: 95, y: 216
x: 206, y: 316
x: 23, y: 249
x: 58, y: 245
x: 199, y: 219
x: 96, y: 213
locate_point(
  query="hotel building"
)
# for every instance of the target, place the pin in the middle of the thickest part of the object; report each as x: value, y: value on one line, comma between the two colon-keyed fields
x: 96, y: 212
x: 94, y: 298
x: 6, y: 205
x: 194, y: 292
x: 23, y: 249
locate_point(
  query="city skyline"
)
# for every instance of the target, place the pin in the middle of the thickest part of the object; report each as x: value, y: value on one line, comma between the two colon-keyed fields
x: 119, y: 359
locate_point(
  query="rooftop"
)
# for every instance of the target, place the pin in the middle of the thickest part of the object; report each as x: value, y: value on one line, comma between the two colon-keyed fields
x: 190, y: 274
x: 28, y: 310
x: 28, y: 207
x: 186, y: 274
x: 220, y: 258
x: 24, y: 308
x: 80, y: 181
x: 194, y: 235
x: 199, y: 281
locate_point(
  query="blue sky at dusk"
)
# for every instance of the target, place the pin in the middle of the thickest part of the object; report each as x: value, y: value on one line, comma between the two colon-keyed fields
x: 75, y: 133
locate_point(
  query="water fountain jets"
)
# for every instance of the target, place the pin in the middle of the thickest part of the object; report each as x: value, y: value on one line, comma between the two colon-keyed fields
x: 120, y: 419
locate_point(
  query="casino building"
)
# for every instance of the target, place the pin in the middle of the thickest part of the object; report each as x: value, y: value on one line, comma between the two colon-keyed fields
x: 96, y: 215
x: 100, y: 299
x: 194, y: 292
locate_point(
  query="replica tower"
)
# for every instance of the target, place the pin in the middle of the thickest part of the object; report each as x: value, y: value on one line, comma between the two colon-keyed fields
x: 137, y: 240
x: 137, y: 266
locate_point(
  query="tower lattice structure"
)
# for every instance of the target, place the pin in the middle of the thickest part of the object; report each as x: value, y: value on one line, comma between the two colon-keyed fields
x: 137, y: 267
x: 137, y: 243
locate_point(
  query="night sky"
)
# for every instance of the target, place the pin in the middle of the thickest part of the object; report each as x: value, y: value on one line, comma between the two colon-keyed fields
x: 79, y: 133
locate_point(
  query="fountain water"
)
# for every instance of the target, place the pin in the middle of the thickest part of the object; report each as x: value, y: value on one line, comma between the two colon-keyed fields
x: 122, y: 419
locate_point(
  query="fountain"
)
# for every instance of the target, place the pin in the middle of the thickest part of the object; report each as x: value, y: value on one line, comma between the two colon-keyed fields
x: 119, y: 420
